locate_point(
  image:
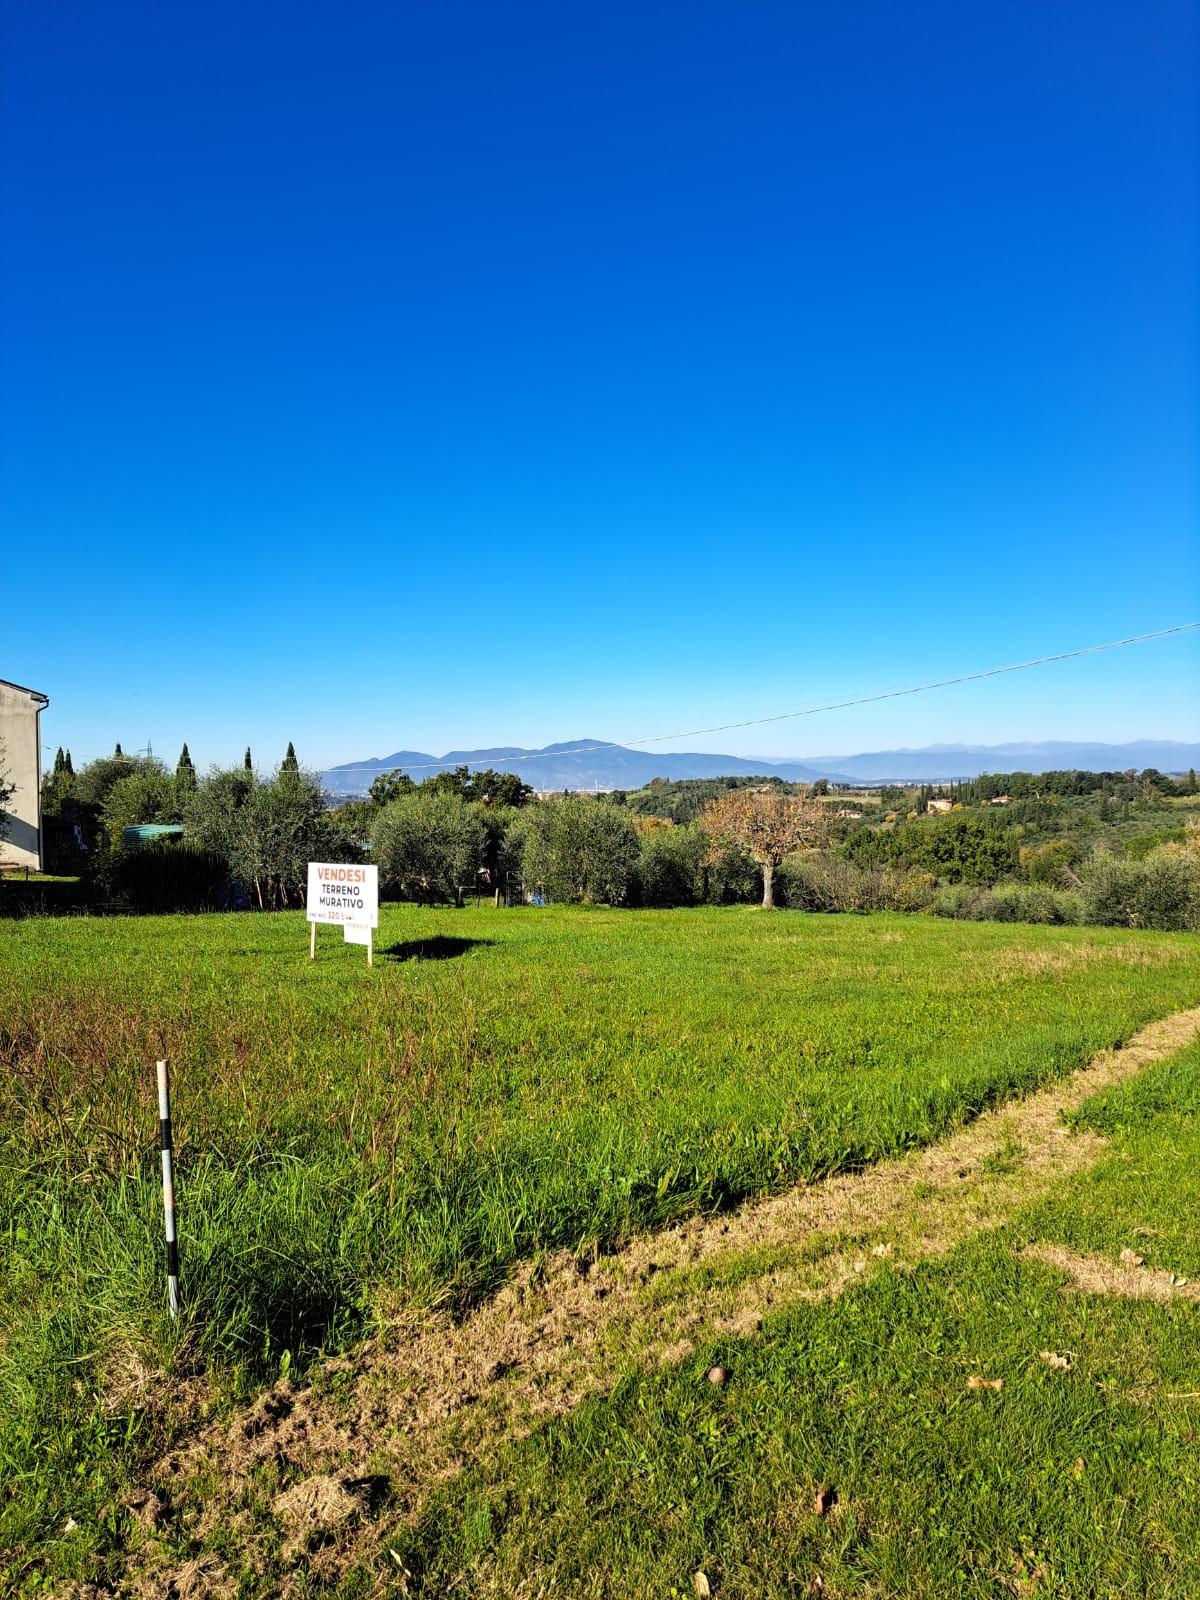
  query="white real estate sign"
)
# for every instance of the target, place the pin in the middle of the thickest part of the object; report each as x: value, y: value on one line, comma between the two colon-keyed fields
x: 346, y: 896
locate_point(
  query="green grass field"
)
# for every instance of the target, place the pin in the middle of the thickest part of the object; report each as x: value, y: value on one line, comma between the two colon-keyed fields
x: 499, y: 1085
x: 1070, y: 1481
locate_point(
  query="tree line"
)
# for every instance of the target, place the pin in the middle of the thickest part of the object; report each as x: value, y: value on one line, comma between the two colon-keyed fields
x: 237, y: 836
x: 1065, y: 783
x: 241, y: 837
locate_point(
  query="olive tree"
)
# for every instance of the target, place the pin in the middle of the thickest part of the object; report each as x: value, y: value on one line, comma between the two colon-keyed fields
x: 283, y: 826
x: 93, y: 782
x: 212, y: 812
x: 429, y: 843
x: 143, y: 796
x: 267, y: 829
x: 582, y: 849
x: 671, y: 869
x: 1162, y: 891
x: 88, y: 792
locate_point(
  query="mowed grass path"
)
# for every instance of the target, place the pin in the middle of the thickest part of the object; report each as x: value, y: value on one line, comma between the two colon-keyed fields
x: 500, y: 1083
x: 1074, y: 1474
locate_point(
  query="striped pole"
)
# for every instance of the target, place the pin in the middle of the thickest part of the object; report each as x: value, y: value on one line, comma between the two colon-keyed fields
x: 164, y: 1125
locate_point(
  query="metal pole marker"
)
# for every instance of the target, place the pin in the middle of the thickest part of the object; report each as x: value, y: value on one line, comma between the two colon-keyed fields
x: 168, y: 1180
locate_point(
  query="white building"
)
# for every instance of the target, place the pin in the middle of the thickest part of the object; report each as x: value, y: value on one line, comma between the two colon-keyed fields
x: 21, y: 766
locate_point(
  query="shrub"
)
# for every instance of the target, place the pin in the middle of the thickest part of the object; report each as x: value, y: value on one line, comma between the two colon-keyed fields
x: 825, y: 882
x: 1009, y: 902
x: 670, y: 869
x: 960, y: 901
x: 914, y: 891
x: 1162, y: 891
x: 170, y: 875
x: 1141, y: 844
x: 957, y: 848
x: 729, y: 877
x: 1050, y: 862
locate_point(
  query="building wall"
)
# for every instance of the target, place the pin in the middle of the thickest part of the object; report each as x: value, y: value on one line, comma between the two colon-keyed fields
x: 20, y: 744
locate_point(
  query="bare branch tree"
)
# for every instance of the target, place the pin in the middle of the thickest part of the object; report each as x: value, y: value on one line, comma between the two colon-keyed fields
x: 768, y: 825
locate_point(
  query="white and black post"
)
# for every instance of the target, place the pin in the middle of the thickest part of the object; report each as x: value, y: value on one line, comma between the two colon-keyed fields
x: 164, y: 1124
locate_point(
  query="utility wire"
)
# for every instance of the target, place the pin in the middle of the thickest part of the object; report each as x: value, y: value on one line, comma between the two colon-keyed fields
x: 809, y: 711
x: 788, y: 716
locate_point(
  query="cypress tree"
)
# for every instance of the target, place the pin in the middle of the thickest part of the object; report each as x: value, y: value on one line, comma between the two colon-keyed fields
x: 67, y: 765
x: 289, y: 760
x: 59, y: 761
x: 185, y: 770
x: 118, y: 751
x: 247, y: 763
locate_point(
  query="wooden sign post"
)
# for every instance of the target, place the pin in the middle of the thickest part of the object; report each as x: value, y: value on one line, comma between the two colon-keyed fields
x: 347, y: 897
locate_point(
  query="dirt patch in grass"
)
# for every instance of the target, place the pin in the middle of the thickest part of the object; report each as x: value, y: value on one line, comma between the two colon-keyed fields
x: 1129, y: 1279
x: 204, y: 1578
x: 429, y: 1395
x: 315, y: 1510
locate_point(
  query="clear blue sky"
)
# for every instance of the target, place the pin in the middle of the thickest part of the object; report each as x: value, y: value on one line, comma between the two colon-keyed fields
x: 386, y: 375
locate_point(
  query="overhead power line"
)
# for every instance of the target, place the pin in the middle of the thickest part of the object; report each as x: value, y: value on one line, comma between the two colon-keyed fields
x: 808, y: 711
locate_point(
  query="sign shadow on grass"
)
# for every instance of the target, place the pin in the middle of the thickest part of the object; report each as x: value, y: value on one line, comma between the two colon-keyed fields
x: 441, y: 947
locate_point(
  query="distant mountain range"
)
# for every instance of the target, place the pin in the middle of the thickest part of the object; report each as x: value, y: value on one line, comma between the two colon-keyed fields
x: 938, y: 763
x: 595, y: 764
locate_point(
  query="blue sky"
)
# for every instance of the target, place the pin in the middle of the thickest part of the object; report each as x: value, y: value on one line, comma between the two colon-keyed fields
x: 384, y: 375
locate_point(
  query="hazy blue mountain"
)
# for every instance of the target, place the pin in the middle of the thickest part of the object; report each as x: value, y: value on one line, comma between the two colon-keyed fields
x: 941, y: 762
x: 596, y: 764
x: 358, y: 774
x: 577, y: 764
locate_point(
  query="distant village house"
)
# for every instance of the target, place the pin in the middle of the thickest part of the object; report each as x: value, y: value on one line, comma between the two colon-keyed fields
x: 939, y: 803
x: 21, y: 756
